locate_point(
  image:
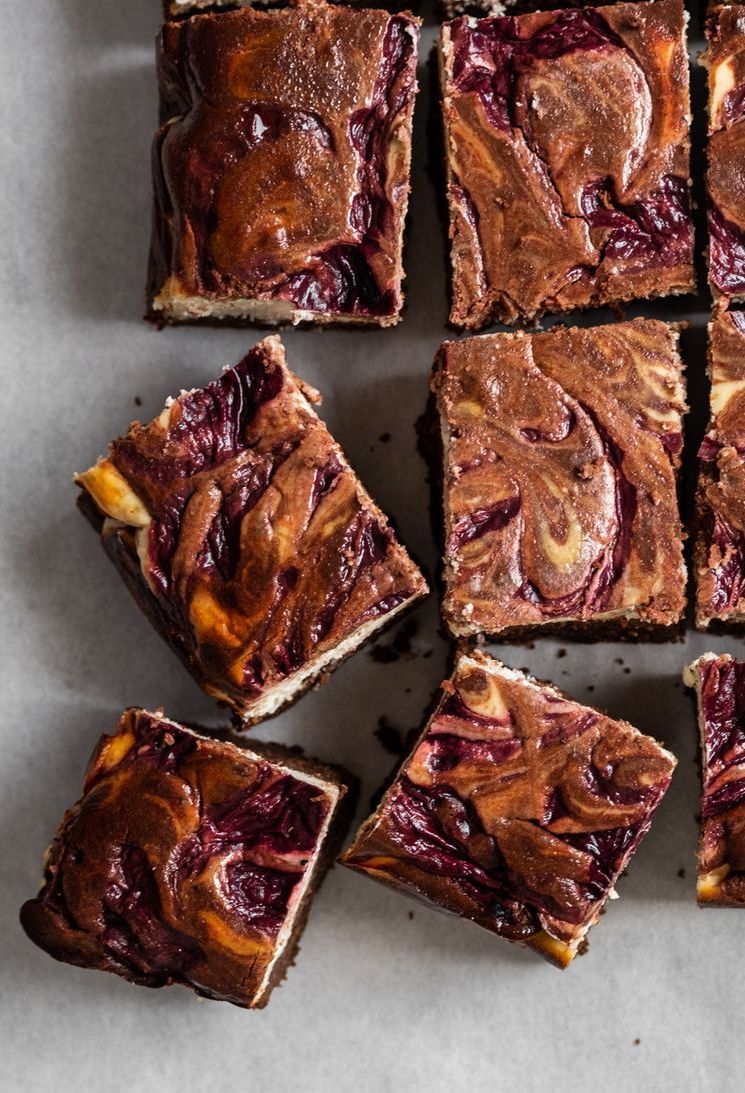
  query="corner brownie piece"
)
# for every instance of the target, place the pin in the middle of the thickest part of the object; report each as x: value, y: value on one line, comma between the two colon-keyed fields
x: 246, y: 537
x: 725, y: 60
x: 567, y: 156
x: 719, y: 682
x: 719, y: 555
x: 282, y: 166
x: 189, y: 860
x: 517, y: 809
x: 560, y: 458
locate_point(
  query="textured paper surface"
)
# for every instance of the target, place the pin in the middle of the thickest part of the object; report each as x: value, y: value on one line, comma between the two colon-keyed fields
x: 386, y: 995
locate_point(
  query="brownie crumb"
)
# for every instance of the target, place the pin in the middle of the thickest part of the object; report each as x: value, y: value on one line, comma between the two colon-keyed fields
x: 561, y: 653
x: 411, y: 915
x: 627, y: 671
x: 390, y: 738
x: 400, y: 646
x: 681, y: 872
x: 384, y: 438
x: 138, y: 400
x: 637, y: 1041
x: 591, y: 687
x: 618, y: 660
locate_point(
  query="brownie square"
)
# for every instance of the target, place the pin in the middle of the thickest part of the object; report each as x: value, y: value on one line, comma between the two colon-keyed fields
x: 719, y: 682
x: 567, y: 156
x: 560, y: 459
x: 281, y: 166
x: 725, y: 60
x: 719, y: 555
x: 189, y: 860
x: 246, y: 537
x: 517, y: 809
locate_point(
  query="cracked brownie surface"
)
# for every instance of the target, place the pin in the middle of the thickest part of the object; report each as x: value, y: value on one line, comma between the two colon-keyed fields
x: 720, y: 688
x: 560, y: 456
x: 567, y: 150
x: 517, y: 809
x: 258, y: 553
x: 187, y: 860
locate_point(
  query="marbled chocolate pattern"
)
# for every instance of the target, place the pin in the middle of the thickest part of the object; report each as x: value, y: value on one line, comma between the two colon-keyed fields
x: 180, y: 863
x: 518, y: 808
x: 721, y: 866
x: 567, y: 142
x: 551, y: 513
x: 725, y: 59
x: 259, y: 543
x: 282, y: 162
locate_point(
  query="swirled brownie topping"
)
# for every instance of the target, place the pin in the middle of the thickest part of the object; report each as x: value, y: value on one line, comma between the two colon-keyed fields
x: 517, y: 809
x: 560, y: 460
x: 719, y: 558
x: 567, y: 150
x: 187, y: 860
x: 256, y: 551
x: 720, y: 689
x: 282, y: 165
x: 725, y: 59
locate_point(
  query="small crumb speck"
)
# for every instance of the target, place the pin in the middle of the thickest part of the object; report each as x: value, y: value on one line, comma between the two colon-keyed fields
x: 384, y: 438
x: 637, y: 1041
x: 561, y: 653
x: 618, y: 660
x: 681, y: 872
x: 411, y: 915
x: 627, y: 671
x: 591, y: 687
x: 138, y: 400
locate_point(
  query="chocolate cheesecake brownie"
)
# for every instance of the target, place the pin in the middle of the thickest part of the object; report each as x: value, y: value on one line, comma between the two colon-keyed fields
x: 567, y: 156
x: 247, y: 538
x: 719, y: 682
x: 189, y: 860
x: 719, y: 555
x: 725, y: 60
x: 517, y: 809
x: 281, y: 166
x: 560, y: 458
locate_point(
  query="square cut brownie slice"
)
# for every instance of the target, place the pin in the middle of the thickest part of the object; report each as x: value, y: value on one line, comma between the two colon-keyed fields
x: 246, y: 537
x: 567, y: 157
x: 719, y: 682
x: 560, y: 458
x: 719, y: 554
x: 189, y: 860
x: 725, y: 60
x: 281, y: 166
x: 517, y: 809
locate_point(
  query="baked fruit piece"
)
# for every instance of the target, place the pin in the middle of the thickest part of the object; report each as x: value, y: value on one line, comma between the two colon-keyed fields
x: 281, y: 166
x: 189, y: 860
x: 567, y: 156
x: 517, y: 809
x: 719, y: 555
x: 725, y: 60
x: 720, y: 690
x: 560, y: 458
x: 246, y: 537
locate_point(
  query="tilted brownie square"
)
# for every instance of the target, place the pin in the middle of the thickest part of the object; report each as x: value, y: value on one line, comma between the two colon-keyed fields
x: 281, y: 166
x: 518, y: 809
x: 246, y: 537
x: 189, y: 860
x: 567, y: 156
x: 560, y: 459
x: 719, y: 554
x: 719, y: 682
x: 725, y: 60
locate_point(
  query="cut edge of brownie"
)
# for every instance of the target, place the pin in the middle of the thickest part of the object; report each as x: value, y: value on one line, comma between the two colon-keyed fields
x: 556, y: 952
x: 337, y: 783
x: 623, y: 625
x: 708, y: 885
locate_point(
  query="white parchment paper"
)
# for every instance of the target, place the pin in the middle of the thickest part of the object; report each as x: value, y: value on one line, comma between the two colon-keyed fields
x: 386, y: 994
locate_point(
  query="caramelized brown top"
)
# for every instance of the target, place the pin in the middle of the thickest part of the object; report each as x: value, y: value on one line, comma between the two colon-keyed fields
x: 517, y: 808
x: 560, y: 476
x: 253, y: 532
x: 567, y: 139
x: 725, y: 59
x: 720, y: 588
x: 283, y: 157
x: 181, y: 863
